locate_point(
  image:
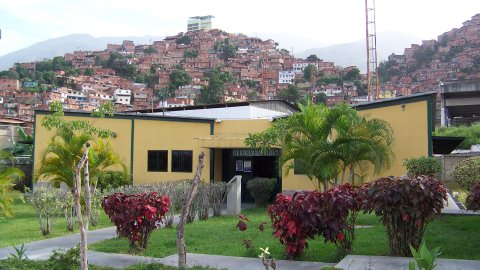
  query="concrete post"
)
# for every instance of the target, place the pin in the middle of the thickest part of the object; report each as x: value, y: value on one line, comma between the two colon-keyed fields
x: 234, y: 196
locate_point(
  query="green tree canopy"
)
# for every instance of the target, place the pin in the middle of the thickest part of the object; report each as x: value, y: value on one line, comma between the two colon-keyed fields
x: 353, y: 74
x: 216, y: 87
x: 178, y: 77
x: 66, y: 147
x: 309, y: 71
x: 328, y: 143
x: 290, y: 94
x: 313, y: 57
x: 8, y: 176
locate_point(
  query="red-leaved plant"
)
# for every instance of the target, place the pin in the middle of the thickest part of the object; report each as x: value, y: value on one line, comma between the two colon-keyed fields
x: 137, y: 215
x: 295, y: 219
x: 341, y: 206
x: 405, y: 206
x: 303, y: 216
x: 242, y: 226
x: 473, y: 198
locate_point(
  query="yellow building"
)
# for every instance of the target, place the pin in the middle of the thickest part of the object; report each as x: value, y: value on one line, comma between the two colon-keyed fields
x: 164, y: 146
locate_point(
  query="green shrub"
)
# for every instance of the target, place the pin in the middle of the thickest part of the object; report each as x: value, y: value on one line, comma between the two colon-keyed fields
x: 261, y: 189
x: 423, y: 166
x: 65, y: 260
x: 113, y: 179
x: 471, y: 134
x: 467, y: 172
x: 473, y: 199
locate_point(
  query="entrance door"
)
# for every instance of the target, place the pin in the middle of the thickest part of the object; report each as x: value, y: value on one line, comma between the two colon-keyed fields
x: 249, y: 167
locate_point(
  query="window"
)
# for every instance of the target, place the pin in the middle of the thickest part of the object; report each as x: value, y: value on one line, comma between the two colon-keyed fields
x: 181, y: 161
x: 157, y: 160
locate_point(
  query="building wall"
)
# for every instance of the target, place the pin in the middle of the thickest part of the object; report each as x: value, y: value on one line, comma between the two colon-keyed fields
x: 411, y: 139
x: 121, y: 144
x: 168, y: 135
x: 410, y: 124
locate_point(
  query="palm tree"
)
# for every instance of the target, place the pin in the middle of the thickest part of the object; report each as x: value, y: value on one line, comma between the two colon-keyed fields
x: 327, y: 142
x: 8, y: 177
x: 64, y: 152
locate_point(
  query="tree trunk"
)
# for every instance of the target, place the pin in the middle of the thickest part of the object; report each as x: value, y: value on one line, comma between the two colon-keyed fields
x: 182, y: 254
x: 76, y: 197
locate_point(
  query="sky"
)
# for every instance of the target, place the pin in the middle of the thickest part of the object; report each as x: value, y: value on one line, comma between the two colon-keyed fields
x: 314, y: 22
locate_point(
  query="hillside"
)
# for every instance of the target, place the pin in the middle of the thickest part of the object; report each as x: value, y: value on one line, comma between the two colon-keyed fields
x: 454, y: 55
x: 354, y: 53
x: 66, y: 44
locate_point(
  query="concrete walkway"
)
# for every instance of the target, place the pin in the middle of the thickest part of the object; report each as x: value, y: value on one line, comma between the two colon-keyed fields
x: 44, y: 248
x: 215, y: 261
x: 354, y: 262
x: 452, y: 208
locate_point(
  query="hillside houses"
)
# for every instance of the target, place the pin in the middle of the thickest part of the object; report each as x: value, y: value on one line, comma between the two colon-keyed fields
x: 135, y: 76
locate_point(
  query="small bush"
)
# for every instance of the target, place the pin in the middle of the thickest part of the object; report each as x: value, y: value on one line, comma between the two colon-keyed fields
x: 405, y: 206
x: 473, y: 198
x: 218, y: 196
x: 467, y: 172
x: 44, y: 200
x: 331, y: 214
x: 136, y: 216
x: 423, y: 166
x: 65, y: 260
x: 341, y: 206
x: 289, y: 223
x: 66, y: 205
x: 261, y: 189
x: 113, y: 179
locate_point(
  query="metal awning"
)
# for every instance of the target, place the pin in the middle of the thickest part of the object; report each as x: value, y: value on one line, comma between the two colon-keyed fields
x: 443, y: 145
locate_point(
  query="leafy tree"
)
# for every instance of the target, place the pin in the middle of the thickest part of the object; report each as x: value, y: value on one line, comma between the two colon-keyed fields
x: 49, y: 77
x: 290, y: 94
x: 58, y: 151
x: 309, y: 71
x: 227, y: 50
x: 22, y: 72
x: 150, y: 50
x: 178, y: 77
x: 252, y: 95
x: 325, y: 142
x: 313, y: 57
x: 190, y: 54
x: 353, y: 74
x: 321, y: 98
x: 361, y: 88
x: 186, y: 40
x: 216, y: 82
x: 10, y: 74
x: 89, y: 72
x: 8, y: 177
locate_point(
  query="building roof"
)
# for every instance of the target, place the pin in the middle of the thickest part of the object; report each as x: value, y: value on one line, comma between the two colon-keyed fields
x: 397, y: 100
x: 240, y: 110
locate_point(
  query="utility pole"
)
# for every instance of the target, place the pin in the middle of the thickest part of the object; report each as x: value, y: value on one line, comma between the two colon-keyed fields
x: 371, y: 40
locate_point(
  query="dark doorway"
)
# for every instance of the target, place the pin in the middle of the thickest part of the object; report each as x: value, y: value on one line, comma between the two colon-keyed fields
x: 249, y: 164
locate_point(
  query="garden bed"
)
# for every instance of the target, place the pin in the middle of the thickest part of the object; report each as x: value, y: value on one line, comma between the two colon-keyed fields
x: 457, y: 236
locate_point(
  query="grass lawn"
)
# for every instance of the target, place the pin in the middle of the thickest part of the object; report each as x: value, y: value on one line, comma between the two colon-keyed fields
x: 23, y: 227
x: 458, y: 237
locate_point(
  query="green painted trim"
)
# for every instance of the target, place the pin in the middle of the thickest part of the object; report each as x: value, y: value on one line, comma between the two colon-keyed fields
x: 429, y: 126
x: 212, y: 167
x: 34, y: 142
x: 392, y: 102
x: 212, y: 128
x: 132, y: 143
x: 139, y: 117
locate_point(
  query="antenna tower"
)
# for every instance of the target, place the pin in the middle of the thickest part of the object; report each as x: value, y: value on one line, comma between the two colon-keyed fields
x: 371, y: 39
